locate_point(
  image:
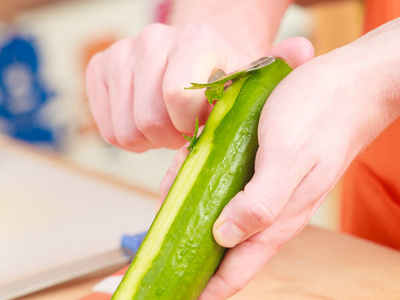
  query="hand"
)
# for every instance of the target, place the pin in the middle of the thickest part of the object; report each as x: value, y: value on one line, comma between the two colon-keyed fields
x: 295, y: 51
x: 136, y: 88
x: 313, y: 125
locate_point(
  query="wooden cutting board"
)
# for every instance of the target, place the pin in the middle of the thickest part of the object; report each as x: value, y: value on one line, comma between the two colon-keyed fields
x: 316, y: 265
x: 320, y: 264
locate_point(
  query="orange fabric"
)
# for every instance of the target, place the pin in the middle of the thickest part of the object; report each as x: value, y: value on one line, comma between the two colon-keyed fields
x: 97, y: 296
x: 378, y: 12
x: 371, y: 186
x: 371, y: 191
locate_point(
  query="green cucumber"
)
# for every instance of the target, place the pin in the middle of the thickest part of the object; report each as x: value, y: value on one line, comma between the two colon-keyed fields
x: 179, y: 254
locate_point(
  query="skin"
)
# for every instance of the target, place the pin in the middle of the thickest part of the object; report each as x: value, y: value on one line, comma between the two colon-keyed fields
x: 314, y: 124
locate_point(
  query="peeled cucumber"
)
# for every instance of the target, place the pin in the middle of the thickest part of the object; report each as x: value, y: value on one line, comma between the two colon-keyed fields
x: 179, y: 254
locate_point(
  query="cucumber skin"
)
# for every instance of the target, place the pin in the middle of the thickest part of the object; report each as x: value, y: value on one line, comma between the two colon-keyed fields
x: 189, y: 255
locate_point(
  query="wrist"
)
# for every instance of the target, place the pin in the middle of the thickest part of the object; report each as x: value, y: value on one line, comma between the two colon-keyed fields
x: 380, y: 48
x: 365, y: 76
x: 250, y: 26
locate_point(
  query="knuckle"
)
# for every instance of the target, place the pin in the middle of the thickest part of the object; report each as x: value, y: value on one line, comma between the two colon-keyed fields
x: 150, y: 37
x: 268, y: 240
x: 172, y: 95
x: 128, y: 139
x: 259, y: 211
x: 119, y: 56
x: 176, y: 96
x: 122, y: 46
x: 226, y: 286
x: 154, y: 29
x: 149, y: 123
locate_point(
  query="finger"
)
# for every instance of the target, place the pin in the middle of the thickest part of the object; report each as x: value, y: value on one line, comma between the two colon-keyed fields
x: 242, y: 263
x: 193, y: 59
x: 238, y: 267
x: 150, y: 113
x: 263, y: 198
x: 97, y: 92
x: 120, y: 86
x: 127, y: 134
x: 295, y: 51
x: 281, y: 175
x: 278, y: 173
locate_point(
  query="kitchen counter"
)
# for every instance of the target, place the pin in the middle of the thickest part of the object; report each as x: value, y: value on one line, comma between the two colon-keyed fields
x: 317, y: 264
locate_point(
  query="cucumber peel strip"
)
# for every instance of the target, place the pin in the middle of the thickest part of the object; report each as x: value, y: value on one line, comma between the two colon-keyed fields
x: 192, y: 139
x: 215, y: 90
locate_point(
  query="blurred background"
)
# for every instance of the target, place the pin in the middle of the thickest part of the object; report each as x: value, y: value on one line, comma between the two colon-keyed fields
x: 46, y: 44
x: 67, y: 196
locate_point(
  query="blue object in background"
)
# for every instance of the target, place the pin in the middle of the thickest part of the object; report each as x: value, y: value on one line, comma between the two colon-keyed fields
x: 23, y: 94
x: 131, y: 243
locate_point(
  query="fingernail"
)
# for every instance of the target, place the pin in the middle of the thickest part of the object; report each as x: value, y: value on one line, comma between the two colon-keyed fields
x: 229, y: 234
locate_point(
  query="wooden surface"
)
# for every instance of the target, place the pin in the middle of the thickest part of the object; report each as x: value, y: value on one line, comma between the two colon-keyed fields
x: 72, y: 290
x: 318, y: 264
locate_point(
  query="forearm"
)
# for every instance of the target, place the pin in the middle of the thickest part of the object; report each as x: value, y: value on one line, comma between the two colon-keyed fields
x: 248, y: 25
x: 367, y: 72
x: 379, y: 48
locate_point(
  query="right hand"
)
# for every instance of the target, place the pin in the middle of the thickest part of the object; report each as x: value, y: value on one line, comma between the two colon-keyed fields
x: 136, y: 88
x: 294, y: 51
x: 316, y: 121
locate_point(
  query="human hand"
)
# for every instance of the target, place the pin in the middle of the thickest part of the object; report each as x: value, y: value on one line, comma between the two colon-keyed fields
x: 136, y: 88
x: 315, y: 122
x: 295, y: 51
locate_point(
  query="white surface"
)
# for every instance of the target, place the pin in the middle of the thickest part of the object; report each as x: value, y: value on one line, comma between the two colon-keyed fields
x: 108, y: 285
x: 143, y: 169
x: 50, y: 216
x: 297, y: 21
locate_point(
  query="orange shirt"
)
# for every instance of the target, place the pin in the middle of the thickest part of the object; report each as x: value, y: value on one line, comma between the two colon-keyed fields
x: 378, y: 12
x: 371, y: 186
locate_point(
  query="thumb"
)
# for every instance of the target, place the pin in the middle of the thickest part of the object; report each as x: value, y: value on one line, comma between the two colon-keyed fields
x: 295, y: 51
x: 259, y: 204
x: 192, y: 59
